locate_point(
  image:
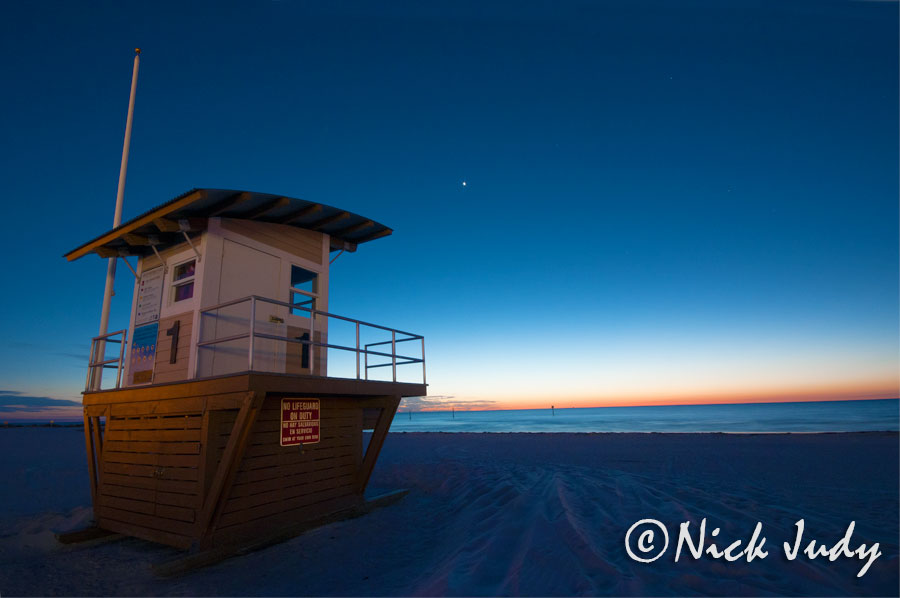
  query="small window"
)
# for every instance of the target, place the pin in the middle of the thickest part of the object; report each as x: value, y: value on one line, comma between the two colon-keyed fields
x: 304, y: 291
x: 183, y: 281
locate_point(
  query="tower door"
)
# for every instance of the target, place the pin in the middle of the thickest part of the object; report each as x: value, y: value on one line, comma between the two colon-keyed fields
x: 247, y: 271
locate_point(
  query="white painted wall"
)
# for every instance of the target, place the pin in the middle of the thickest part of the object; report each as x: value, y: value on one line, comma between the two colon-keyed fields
x: 238, y: 266
x: 172, y: 257
x: 232, y: 265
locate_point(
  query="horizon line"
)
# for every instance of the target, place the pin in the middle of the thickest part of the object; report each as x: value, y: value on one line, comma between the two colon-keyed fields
x: 442, y: 409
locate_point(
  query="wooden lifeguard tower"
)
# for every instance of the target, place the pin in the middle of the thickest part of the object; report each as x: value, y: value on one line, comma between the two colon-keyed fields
x: 239, y: 402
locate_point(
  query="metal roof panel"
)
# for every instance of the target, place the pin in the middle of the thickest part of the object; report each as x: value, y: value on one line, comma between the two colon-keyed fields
x: 198, y: 205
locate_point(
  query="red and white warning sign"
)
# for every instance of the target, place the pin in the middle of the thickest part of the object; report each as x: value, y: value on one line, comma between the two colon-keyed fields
x: 299, y: 421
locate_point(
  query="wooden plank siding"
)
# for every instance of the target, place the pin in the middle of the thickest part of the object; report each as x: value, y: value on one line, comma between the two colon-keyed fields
x: 150, y: 476
x: 200, y: 464
x: 275, y: 482
x: 296, y: 241
x: 163, y: 370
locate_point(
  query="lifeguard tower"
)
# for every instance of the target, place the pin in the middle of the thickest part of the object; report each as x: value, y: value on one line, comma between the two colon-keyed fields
x: 238, y: 402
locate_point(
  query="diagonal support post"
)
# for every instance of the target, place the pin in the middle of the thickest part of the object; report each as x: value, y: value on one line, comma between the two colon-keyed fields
x: 382, y: 425
x: 231, y: 460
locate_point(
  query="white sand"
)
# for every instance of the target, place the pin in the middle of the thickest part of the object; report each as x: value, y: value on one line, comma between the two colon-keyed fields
x: 510, y: 514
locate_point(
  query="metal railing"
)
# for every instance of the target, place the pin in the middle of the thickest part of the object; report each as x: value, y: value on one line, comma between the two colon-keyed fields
x: 98, y: 362
x: 362, y: 351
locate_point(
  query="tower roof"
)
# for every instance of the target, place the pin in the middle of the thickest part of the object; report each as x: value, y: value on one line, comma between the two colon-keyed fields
x: 190, y: 212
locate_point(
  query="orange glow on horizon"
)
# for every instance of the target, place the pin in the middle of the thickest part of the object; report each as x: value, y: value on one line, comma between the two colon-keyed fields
x: 680, y: 398
x: 834, y: 392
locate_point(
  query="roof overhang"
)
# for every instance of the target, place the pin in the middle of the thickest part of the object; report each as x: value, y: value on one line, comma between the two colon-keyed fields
x: 189, y: 213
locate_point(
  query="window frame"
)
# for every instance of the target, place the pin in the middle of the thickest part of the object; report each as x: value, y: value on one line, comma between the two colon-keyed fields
x: 175, y: 284
x: 314, y: 295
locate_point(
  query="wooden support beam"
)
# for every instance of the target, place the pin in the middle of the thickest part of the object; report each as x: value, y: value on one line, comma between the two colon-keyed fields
x: 335, y: 243
x: 95, y: 409
x: 300, y: 214
x: 388, y: 410
x: 194, y: 224
x: 165, y: 225
x: 134, y: 240
x: 228, y: 466
x: 230, y: 202
x: 134, y: 225
x: 266, y: 208
x: 91, y: 534
x: 98, y: 445
x: 170, y: 232
x: 92, y: 471
x: 353, y: 229
x: 320, y: 224
x: 106, y: 252
x: 169, y: 225
x: 373, y: 236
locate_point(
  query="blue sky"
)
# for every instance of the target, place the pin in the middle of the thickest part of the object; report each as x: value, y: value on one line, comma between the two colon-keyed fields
x: 664, y: 201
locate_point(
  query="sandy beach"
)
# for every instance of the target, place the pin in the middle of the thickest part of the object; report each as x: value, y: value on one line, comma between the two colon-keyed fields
x: 502, y: 514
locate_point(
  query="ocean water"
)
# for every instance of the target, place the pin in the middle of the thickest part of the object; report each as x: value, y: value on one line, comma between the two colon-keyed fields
x: 820, y: 416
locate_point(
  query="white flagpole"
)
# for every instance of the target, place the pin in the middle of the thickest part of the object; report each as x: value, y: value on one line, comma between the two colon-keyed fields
x: 108, y: 291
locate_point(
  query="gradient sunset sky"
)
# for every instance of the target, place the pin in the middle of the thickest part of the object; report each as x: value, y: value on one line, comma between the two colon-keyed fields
x: 664, y: 202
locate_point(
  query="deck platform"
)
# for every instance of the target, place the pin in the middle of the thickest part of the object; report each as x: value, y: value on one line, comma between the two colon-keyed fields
x: 199, y: 464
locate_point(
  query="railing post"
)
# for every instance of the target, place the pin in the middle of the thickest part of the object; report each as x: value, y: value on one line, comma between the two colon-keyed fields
x: 121, y: 360
x: 252, y: 332
x: 312, y: 340
x: 99, y: 355
x: 366, y: 354
x: 89, y: 381
x: 97, y: 375
x: 423, y: 360
x: 357, y: 350
x: 394, y: 353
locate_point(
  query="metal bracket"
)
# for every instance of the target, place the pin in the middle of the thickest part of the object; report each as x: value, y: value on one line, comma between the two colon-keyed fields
x: 133, y: 271
x: 162, y: 261
x: 185, y: 226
